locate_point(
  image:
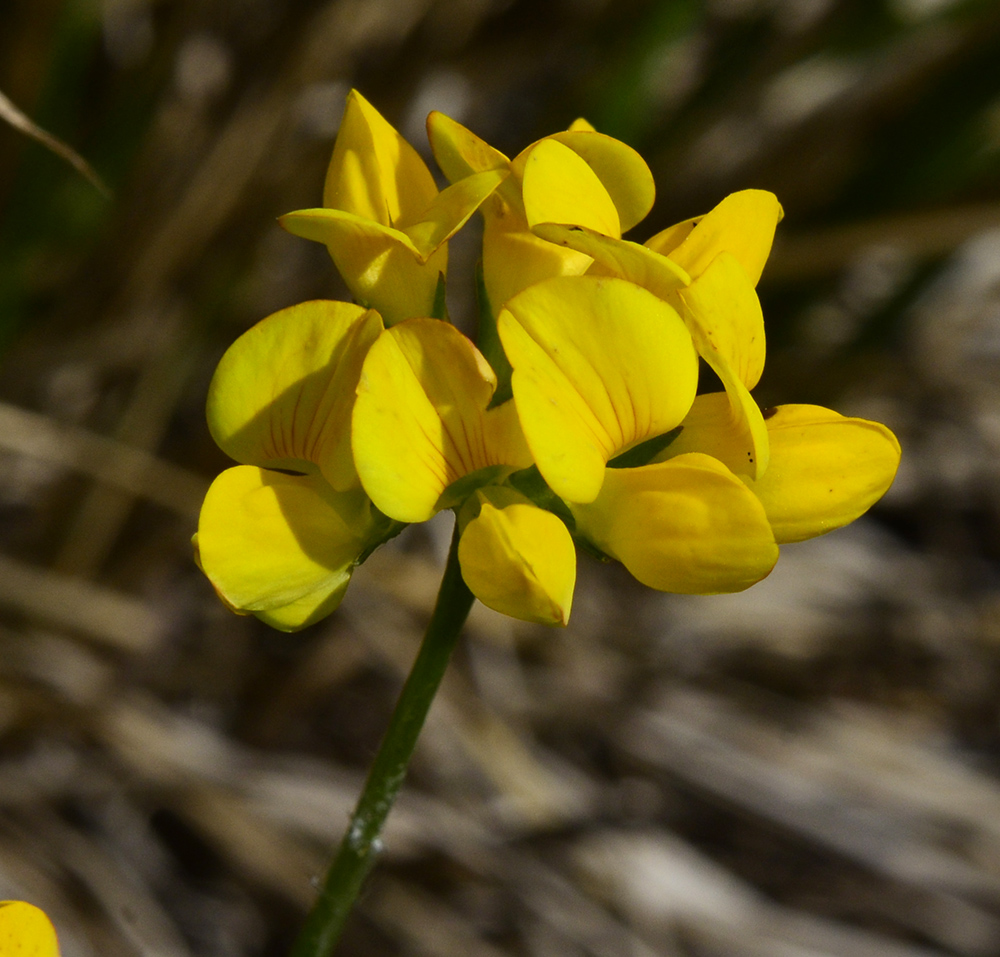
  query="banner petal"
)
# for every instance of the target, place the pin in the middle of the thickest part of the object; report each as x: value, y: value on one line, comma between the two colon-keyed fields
x: 374, y: 173
x: 599, y: 366
x: 458, y: 151
x: 282, y: 393
x: 620, y: 168
x: 421, y: 420
x: 560, y: 187
x: 723, y: 314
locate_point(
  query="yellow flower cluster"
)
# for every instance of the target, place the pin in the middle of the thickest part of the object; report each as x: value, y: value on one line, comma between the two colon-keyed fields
x: 576, y: 420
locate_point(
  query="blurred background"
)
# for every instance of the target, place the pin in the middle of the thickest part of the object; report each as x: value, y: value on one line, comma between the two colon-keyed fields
x: 809, y: 768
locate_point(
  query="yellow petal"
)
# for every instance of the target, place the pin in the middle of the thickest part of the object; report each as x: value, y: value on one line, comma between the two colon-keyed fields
x: 374, y: 172
x: 742, y: 224
x: 451, y: 210
x: 518, y: 559
x: 720, y: 308
x: 667, y: 240
x: 599, y: 365
x: 826, y: 470
x: 747, y: 424
x: 381, y: 266
x: 709, y: 428
x: 620, y: 168
x: 283, y: 392
x: 307, y: 610
x: 623, y: 172
x: 422, y: 235
x: 420, y: 420
x: 458, y: 151
x: 686, y: 525
x: 281, y: 545
x: 514, y: 258
x: 560, y: 187
x: 336, y: 228
x: 725, y: 308
x: 619, y: 257
x: 26, y: 931
x: 723, y: 316
x: 581, y: 125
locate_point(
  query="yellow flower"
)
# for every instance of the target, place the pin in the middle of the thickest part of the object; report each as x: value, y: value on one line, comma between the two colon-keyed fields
x: 687, y: 525
x: 279, y: 535
x: 383, y: 219
x: 26, y: 931
x: 707, y: 269
x: 826, y: 469
x: 345, y: 429
x: 425, y: 438
x: 600, y: 365
x: 604, y: 382
x: 588, y: 178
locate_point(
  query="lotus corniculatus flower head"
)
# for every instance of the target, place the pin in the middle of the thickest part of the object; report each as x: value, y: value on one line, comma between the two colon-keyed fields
x: 26, y: 931
x: 577, y: 419
x: 384, y: 221
x: 573, y: 419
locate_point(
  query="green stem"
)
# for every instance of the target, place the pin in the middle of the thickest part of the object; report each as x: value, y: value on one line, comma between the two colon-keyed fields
x: 361, y: 844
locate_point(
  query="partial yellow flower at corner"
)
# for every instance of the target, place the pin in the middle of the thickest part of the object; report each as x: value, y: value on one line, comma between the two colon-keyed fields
x: 516, y: 558
x: 383, y: 220
x: 426, y: 439
x: 707, y: 269
x: 826, y: 469
x: 26, y: 931
x: 605, y: 183
x: 279, y: 534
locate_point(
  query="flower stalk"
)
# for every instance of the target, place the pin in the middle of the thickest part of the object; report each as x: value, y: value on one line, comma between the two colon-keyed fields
x: 361, y: 843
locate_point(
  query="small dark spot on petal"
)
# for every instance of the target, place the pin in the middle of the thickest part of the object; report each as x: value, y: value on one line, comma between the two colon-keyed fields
x: 767, y: 413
